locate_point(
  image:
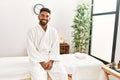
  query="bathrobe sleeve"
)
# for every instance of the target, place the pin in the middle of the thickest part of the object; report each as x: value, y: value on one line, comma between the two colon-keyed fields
x: 32, y: 51
x: 54, y: 54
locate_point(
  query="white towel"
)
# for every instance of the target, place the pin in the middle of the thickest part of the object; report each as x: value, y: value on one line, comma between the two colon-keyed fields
x: 80, y: 55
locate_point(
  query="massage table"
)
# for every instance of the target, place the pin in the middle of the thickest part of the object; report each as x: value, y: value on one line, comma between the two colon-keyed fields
x: 81, y: 67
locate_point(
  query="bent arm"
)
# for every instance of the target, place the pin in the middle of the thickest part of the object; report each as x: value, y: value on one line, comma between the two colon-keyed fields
x: 54, y: 54
x: 32, y: 51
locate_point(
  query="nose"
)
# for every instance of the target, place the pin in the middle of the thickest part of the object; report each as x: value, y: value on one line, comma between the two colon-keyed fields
x: 44, y: 17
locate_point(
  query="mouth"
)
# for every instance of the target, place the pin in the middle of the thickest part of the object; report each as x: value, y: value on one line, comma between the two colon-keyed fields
x: 43, y: 22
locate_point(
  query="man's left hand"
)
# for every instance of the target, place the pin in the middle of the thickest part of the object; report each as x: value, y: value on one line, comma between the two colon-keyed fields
x: 49, y: 64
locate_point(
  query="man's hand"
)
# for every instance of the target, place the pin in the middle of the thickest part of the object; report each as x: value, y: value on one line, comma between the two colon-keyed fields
x: 44, y: 65
x: 49, y: 64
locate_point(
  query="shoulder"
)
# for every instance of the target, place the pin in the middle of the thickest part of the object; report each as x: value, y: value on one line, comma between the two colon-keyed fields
x: 32, y: 30
x: 54, y: 32
x: 53, y: 29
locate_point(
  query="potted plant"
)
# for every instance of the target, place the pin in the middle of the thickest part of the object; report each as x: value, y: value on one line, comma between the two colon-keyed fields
x: 81, y: 28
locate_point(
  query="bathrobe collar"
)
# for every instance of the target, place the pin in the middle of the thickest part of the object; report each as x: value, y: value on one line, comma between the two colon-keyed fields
x: 40, y: 27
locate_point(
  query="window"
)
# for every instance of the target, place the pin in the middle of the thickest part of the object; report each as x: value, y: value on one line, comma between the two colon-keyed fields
x: 104, y: 29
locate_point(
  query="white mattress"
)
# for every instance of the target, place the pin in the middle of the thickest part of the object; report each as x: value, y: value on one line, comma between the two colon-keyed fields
x: 14, y: 68
x: 83, y: 67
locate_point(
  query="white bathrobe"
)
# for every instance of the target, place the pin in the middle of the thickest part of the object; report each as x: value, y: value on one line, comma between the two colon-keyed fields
x: 44, y: 46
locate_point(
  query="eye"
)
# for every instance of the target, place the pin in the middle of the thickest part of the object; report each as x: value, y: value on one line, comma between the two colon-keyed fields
x: 42, y: 15
x: 47, y: 16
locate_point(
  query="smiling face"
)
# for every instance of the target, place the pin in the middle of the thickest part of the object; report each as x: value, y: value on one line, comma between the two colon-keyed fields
x: 44, y: 18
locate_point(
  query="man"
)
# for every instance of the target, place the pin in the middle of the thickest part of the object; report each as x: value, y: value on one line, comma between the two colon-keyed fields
x: 43, y: 50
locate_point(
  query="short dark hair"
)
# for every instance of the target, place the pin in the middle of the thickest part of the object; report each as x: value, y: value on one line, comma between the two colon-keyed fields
x: 45, y: 9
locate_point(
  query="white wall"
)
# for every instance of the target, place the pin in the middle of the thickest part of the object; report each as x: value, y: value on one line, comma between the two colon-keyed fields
x: 16, y: 17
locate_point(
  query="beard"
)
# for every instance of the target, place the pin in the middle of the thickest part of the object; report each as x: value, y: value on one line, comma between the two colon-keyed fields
x: 43, y: 22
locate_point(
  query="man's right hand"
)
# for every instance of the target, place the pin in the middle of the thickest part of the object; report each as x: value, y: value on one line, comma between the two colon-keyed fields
x: 44, y: 65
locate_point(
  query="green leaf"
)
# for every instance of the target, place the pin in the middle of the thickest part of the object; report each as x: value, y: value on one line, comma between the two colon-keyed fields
x: 81, y: 27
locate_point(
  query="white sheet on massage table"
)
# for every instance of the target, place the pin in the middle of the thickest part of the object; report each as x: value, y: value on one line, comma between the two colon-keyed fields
x: 87, y: 68
x: 84, y: 69
x: 14, y: 68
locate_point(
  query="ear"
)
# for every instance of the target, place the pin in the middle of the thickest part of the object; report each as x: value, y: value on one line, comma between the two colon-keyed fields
x: 38, y: 17
x: 49, y: 17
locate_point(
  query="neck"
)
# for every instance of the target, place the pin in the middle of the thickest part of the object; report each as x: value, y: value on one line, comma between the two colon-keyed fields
x: 44, y: 28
